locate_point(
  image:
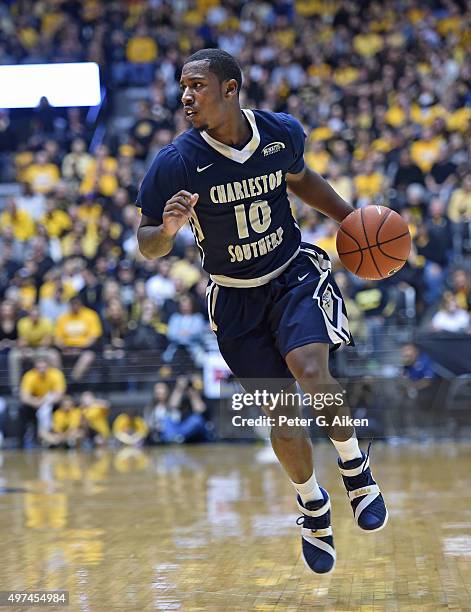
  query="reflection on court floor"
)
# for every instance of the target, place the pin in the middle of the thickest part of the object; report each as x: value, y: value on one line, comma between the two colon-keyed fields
x: 213, y: 528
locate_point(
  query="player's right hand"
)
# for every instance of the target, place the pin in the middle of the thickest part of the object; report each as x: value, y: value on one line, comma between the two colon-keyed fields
x: 178, y: 210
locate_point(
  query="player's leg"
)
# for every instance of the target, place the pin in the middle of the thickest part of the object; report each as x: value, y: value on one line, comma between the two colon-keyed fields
x: 294, y: 452
x: 293, y: 449
x: 310, y: 365
x: 239, y: 318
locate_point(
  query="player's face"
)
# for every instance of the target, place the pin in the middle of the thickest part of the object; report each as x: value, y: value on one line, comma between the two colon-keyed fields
x: 202, y: 98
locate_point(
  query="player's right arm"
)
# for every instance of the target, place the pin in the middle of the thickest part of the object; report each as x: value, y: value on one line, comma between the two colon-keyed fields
x: 165, y: 203
x: 156, y: 240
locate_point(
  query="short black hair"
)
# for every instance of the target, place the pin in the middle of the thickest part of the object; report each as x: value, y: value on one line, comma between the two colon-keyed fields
x: 221, y: 63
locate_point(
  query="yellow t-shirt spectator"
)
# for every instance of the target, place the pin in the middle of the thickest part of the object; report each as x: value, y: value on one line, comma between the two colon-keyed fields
x: 66, y: 420
x: 56, y: 223
x: 27, y: 296
x: 48, y: 290
x: 346, y: 76
x: 318, y: 162
x: 425, y: 153
x: 39, y: 385
x: 102, y: 180
x: 186, y: 272
x: 368, y: 185
x: 89, y: 214
x: 126, y: 424
x: 343, y: 186
x: 88, y: 243
x: 141, y: 50
x: 426, y: 116
x: 459, y: 120
x: 78, y: 330
x: 96, y: 416
x: 395, y: 116
x: 42, y: 177
x: 33, y: 333
x: 368, y: 44
x: 21, y: 223
x: 321, y: 133
x: 459, y: 208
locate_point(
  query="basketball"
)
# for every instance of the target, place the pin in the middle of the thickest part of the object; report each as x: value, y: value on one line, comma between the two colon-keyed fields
x: 373, y: 242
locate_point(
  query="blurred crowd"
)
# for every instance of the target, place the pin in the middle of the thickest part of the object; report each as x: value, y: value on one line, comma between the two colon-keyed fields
x: 383, y: 90
x: 55, y: 419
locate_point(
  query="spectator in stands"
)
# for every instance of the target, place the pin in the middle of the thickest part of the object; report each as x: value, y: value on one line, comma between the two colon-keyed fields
x: 67, y: 428
x: 126, y: 279
x: 78, y: 334
x: 143, y: 130
x: 76, y: 163
x: 461, y: 289
x: 8, y: 327
x: 187, y: 269
x: 177, y: 417
x: 91, y: 292
x: 375, y: 302
x: 19, y: 220
x: 185, y: 328
x: 96, y: 412
x: 417, y: 366
x: 52, y: 304
x: 115, y: 329
x: 100, y: 175
x: 160, y: 286
x: 450, y: 317
x: 141, y: 53
x: 155, y: 413
x: 42, y: 175
x: 35, y: 336
x: 130, y: 429
x: 30, y: 202
x: 442, y: 175
x: 407, y: 173
x: 41, y: 389
x: 340, y: 182
x: 420, y: 388
x: 368, y: 184
x: 459, y: 209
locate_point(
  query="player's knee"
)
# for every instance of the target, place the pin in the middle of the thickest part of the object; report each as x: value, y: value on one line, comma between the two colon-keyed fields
x: 311, y: 373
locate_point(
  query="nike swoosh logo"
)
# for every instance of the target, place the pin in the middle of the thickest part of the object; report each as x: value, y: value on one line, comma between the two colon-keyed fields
x: 300, y: 278
x: 198, y: 169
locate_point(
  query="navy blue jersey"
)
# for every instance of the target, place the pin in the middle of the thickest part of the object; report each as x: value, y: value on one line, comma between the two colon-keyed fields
x: 242, y: 221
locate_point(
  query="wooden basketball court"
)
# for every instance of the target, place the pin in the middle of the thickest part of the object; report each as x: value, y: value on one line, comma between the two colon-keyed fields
x: 213, y: 528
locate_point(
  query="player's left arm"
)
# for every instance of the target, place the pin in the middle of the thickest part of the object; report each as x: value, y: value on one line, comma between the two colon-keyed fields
x: 317, y: 193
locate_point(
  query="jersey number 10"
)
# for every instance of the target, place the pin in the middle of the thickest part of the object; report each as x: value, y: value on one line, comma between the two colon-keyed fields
x: 259, y: 218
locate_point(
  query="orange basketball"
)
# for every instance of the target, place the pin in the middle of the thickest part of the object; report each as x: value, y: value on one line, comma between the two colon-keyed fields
x: 373, y: 242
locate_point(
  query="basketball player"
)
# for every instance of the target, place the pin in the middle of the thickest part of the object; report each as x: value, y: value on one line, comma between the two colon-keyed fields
x: 272, y: 300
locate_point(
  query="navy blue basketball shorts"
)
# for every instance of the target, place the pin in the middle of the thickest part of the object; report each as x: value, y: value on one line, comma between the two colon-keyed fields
x: 257, y: 327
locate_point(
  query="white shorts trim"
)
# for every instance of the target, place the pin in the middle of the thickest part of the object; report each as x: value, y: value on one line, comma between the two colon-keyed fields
x: 227, y: 281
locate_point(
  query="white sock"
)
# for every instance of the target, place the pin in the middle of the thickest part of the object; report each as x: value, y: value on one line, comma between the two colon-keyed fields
x: 348, y: 449
x: 309, y: 490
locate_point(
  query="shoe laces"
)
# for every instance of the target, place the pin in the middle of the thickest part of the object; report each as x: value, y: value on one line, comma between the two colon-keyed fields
x: 366, y: 456
x: 314, y: 523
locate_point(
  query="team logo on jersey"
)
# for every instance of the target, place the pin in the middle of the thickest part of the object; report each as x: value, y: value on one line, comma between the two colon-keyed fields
x: 327, y: 303
x: 273, y: 147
